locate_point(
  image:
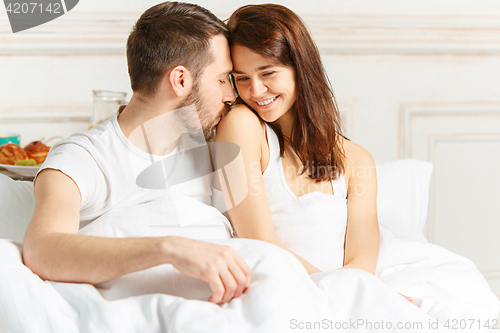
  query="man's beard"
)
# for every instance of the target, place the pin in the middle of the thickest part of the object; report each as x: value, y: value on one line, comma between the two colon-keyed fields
x: 200, y: 125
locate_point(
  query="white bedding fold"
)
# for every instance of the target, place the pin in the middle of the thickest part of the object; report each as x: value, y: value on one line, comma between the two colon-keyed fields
x: 281, y: 298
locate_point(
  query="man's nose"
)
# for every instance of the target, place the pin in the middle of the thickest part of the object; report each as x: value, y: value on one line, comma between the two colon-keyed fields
x: 229, y: 95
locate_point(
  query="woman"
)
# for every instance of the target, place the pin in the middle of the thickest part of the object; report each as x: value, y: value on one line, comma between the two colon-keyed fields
x: 311, y: 191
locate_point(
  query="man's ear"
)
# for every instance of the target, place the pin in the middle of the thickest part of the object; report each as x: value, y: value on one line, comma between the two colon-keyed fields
x: 181, y: 81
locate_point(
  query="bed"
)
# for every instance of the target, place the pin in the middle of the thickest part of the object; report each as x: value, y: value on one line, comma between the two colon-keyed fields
x: 449, y: 291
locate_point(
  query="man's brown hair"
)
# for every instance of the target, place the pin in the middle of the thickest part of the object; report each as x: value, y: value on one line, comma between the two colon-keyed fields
x: 168, y: 35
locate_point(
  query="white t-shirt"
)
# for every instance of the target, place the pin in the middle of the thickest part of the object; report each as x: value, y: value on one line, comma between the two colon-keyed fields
x: 105, y: 167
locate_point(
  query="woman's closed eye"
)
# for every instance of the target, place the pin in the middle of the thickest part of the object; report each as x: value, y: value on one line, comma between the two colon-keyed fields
x: 268, y: 73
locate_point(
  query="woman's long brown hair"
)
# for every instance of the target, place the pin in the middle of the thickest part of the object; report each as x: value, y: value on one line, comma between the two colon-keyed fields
x: 276, y: 32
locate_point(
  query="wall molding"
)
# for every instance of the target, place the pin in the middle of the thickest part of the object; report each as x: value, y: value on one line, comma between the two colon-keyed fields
x: 79, y: 33
x: 406, y: 34
x: 432, y: 141
x: 409, y: 113
x: 91, y: 33
x: 44, y: 117
x: 45, y: 126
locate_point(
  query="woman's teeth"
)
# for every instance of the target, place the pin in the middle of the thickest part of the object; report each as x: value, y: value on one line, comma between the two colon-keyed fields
x: 268, y: 101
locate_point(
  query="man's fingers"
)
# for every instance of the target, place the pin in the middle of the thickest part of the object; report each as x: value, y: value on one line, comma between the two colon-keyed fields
x: 408, y: 298
x: 226, y: 273
x: 242, y: 280
x: 230, y: 285
x: 217, y: 287
x: 245, y: 268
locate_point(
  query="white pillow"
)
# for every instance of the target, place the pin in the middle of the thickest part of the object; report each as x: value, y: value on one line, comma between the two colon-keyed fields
x: 17, y: 204
x: 403, y: 196
x: 198, y: 221
x: 402, y: 200
x: 174, y: 216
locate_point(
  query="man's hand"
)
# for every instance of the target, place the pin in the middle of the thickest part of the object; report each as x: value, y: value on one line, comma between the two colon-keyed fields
x: 221, y: 267
x: 408, y: 298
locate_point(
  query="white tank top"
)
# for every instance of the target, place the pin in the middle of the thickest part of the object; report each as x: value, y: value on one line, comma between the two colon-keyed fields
x: 313, y: 225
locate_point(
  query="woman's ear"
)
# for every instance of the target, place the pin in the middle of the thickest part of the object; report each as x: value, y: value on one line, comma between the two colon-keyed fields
x: 180, y: 80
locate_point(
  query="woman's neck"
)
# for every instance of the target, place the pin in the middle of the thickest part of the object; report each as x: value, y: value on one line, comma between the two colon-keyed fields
x: 286, y: 123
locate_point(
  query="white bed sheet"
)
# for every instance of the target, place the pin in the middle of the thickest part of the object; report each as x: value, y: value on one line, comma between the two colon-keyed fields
x: 281, y: 298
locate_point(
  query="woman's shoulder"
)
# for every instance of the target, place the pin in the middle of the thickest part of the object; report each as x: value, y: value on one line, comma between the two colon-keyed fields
x: 241, y: 112
x: 242, y: 127
x: 242, y: 120
x: 355, y: 157
x: 354, y: 151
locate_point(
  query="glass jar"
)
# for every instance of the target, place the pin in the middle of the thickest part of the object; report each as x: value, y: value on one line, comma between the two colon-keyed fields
x: 106, y: 103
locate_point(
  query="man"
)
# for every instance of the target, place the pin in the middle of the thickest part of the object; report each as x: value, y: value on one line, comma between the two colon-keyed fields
x: 178, y: 56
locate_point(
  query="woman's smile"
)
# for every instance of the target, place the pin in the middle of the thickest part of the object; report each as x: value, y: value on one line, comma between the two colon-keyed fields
x: 267, y: 103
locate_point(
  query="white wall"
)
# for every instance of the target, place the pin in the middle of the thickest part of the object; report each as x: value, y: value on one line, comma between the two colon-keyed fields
x: 414, y: 79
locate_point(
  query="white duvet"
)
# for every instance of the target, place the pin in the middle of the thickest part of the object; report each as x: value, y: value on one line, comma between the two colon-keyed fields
x: 448, y: 289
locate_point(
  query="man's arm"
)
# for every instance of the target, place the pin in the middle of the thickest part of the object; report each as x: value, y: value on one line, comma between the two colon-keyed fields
x: 54, y: 250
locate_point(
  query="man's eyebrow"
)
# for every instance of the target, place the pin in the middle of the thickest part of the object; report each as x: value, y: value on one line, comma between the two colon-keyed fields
x: 226, y: 72
x: 258, y: 69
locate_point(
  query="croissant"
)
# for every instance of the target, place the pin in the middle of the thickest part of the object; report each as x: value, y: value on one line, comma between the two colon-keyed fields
x: 37, y: 150
x: 11, y: 152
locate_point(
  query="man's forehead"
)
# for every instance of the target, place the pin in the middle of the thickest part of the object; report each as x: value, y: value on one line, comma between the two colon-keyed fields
x: 222, y: 66
x: 219, y: 44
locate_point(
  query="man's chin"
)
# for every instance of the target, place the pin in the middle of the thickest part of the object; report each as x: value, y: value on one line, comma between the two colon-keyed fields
x: 202, y: 138
x: 209, y: 136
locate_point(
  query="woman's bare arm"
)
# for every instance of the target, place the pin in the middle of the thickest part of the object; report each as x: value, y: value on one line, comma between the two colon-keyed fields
x: 251, y: 217
x: 362, y: 234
